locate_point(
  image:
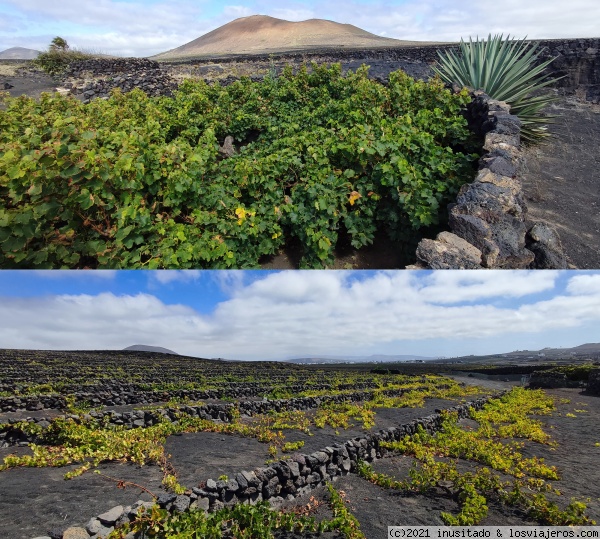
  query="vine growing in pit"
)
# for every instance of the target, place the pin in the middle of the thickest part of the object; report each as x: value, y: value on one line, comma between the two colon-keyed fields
x: 139, y: 182
x: 494, y: 446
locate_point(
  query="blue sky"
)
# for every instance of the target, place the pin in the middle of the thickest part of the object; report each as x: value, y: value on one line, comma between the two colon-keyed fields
x: 277, y: 315
x: 147, y: 27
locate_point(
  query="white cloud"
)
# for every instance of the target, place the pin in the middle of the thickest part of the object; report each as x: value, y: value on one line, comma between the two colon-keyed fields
x: 447, y: 20
x: 288, y: 288
x: 140, y: 28
x: 127, y: 17
x: 120, y: 44
x: 297, y: 313
x: 584, y: 284
x: 230, y: 281
x: 459, y: 286
x: 108, y: 26
x: 171, y: 276
x: 104, y: 321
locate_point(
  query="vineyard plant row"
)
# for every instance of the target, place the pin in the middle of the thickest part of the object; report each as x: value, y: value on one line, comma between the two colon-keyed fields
x: 30, y: 373
x: 466, y: 445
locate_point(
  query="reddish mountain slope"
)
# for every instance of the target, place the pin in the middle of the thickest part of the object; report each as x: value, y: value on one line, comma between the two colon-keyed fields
x: 263, y: 34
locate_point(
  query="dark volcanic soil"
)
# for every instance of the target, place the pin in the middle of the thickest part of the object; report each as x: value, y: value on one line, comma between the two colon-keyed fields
x: 34, y: 501
x: 25, y: 81
x: 561, y: 181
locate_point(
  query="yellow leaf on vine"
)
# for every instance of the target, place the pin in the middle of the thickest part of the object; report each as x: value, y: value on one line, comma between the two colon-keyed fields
x: 241, y: 213
x: 354, y: 196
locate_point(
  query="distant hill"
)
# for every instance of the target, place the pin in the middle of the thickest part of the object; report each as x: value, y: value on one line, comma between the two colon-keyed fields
x: 589, y: 351
x: 146, y: 348
x: 589, y: 347
x: 19, y: 53
x: 263, y: 34
x: 583, y: 351
x: 357, y: 359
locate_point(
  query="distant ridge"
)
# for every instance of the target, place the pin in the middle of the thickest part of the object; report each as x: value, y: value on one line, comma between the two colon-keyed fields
x: 594, y: 346
x: 263, y: 34
x: 587, y: 350
x: 146, y: 348
x: 380, y: 358
x: 19, y: 53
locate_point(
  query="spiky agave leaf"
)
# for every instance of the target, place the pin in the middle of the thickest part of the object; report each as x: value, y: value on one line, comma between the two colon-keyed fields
x: 503, y: 69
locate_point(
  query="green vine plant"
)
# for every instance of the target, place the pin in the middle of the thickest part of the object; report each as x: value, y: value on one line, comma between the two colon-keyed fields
x: 89, y: 441
x: 139, y: 182
x: 496, y: 452
x: 241, y: 521
x: 345, y: 415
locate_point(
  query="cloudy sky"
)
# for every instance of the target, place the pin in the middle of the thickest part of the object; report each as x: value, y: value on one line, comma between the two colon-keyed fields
x: 278, y: 315
x: 147, y: 27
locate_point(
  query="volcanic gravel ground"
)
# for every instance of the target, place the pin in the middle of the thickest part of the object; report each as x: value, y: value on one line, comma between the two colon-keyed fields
x: 25, y: 81
x: 384, y: 418
x: 206, y: 455
x: 35, y: 500
x: 576, y: 458
x: 561, y: 181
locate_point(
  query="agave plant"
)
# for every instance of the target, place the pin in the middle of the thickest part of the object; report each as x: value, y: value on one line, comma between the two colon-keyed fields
x: 503, y: 69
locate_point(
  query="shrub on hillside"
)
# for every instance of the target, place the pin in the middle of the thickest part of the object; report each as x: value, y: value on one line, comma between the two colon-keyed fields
x: 58, y: 56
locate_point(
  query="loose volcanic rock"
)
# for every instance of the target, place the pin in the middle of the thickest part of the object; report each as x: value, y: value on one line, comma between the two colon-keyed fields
x: 111, y: 516
x: 543, y: 241
x: 124, y: 74
x: 449, y: 251
x: 181, y: 504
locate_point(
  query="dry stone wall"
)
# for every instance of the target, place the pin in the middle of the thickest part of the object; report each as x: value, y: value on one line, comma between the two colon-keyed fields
x: 547, y: 380
x: 554, y: 379
x: 427, y: 53
x: 11, y: 434
x: 577, y: 61
x: 593, y: 387
x: 488, y: 220
x: 124, y: 394
x: 101, y: 76
x: 282, y: 481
